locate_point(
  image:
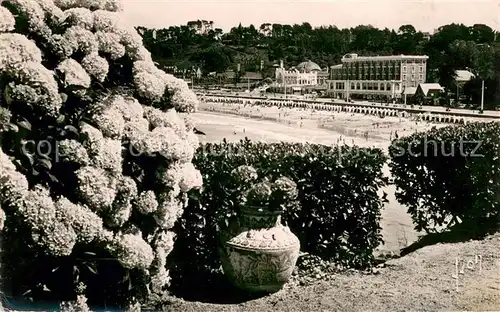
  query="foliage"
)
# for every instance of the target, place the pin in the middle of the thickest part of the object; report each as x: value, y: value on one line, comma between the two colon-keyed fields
x: 262, y: 193
x: 337, y: 217
x: 95, y: 159
x: 452, y: 47
x: 449, y: 175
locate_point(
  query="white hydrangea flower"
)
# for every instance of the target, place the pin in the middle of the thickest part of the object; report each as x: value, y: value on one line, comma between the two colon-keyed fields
x: 16, y: 49
x: 58, y: 238
x: 60, y: 46
x: 172, y: 147
x: 120, y: 214
x: 92, y: 138
x: 81, y: 39
x: 136, y: 131
x: 146, y: 67
x: 96, y: 66
x: 149, y: 86
x: 22, y: 93
x: 80, y: 305
x: 81, y: 17
x: 146, y: 202
x: 167, y: 214
x: 6, y: 163
x: 110, y: 43
x: 139, y: 54
x: 130, y: 108
x: 193, y: 140
x: 13, y: 185
x: 109, y: 155
x: 126, y: 191
x: 53, y: 14
x: 2, y: 218
x: 160, y: 280
x: 164, y: 241
x: 96, y: 188
x: 74, y: 74
x: 88, y: 4
x: 171, y: 176
x: 112, y: 5
x: 188, y: 121
x: 106, y: 21
x: 132, y: 251
x: 73, y: 151
x: 40, y: 78
x: 37, y: 208
x: 191, y: 178
x: 169, y: 119
x: 185, y: 100
x: 85, y: 222
x: 110, y: 122
x: 7, y: 20
x: 29, y: 9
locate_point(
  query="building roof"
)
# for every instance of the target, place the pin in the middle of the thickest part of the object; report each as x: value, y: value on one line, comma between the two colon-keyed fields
x: 247, y: 75
x: 338, y: 66
x: 308, y: 66
x: 463, y: 75
x: 410, y: 90
x: 426, y: 87
x: 355, y: 58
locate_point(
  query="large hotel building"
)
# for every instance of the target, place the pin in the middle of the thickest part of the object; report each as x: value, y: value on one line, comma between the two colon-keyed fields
x: 377, y: 77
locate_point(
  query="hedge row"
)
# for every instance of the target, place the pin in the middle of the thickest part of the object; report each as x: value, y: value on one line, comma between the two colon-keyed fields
x: 450, y: 176
x: 339, y: 213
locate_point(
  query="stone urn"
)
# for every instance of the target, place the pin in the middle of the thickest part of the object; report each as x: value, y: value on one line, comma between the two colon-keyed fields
x: 258, y: 253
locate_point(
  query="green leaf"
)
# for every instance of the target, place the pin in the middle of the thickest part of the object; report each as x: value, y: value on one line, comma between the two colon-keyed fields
x: 45, y: 163
x: 71, y: 129
x: 53, y: 178
x: 25, y: 124
x: 13, y: 127
x: 60, y: 119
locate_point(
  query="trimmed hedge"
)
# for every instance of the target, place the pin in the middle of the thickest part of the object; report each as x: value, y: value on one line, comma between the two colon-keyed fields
x: 339, y: 213
x: 449, y: 176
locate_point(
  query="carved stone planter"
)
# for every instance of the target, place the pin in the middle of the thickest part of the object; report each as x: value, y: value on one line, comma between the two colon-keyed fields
x: 259, y: 253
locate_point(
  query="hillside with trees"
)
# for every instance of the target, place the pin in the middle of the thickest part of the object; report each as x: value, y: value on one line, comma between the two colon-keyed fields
x: 451, y: 47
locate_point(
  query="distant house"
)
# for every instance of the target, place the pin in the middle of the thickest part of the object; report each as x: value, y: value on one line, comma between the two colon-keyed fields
x: 248, y: 76
x: 462, y: 76
x: 428, y: 93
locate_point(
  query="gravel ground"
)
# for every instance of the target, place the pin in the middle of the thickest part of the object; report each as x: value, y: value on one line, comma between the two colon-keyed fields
x: 421, y: 281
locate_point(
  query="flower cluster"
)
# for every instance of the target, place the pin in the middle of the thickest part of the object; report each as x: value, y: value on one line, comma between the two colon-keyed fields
x: 91, y: 41
x: 263, y: 194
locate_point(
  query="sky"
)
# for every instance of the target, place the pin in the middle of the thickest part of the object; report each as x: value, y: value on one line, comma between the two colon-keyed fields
x: 425, y: 15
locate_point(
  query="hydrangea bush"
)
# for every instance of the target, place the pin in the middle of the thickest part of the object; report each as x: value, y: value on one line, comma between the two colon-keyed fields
x: 96, y: 149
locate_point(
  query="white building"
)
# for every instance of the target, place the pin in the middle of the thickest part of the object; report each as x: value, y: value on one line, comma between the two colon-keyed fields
x: 376, y: 77
x: 305, y: 75
x: 201, y: 27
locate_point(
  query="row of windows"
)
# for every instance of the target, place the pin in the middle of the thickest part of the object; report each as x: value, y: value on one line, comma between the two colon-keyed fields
x: 362, y: 86
x: 421, y: 77
x: 421, y: 69
x: 366, y: 76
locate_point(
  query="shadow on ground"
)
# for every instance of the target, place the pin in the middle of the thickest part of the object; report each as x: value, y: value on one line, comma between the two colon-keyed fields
x: 219, y: 291
x: 457, y: 234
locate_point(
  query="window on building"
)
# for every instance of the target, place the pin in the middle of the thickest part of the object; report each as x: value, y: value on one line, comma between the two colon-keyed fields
x: 421, y: 77
x: 412, y: 77
x: 404, y: 77
x: 421, y: 69
x: 404, y: 69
